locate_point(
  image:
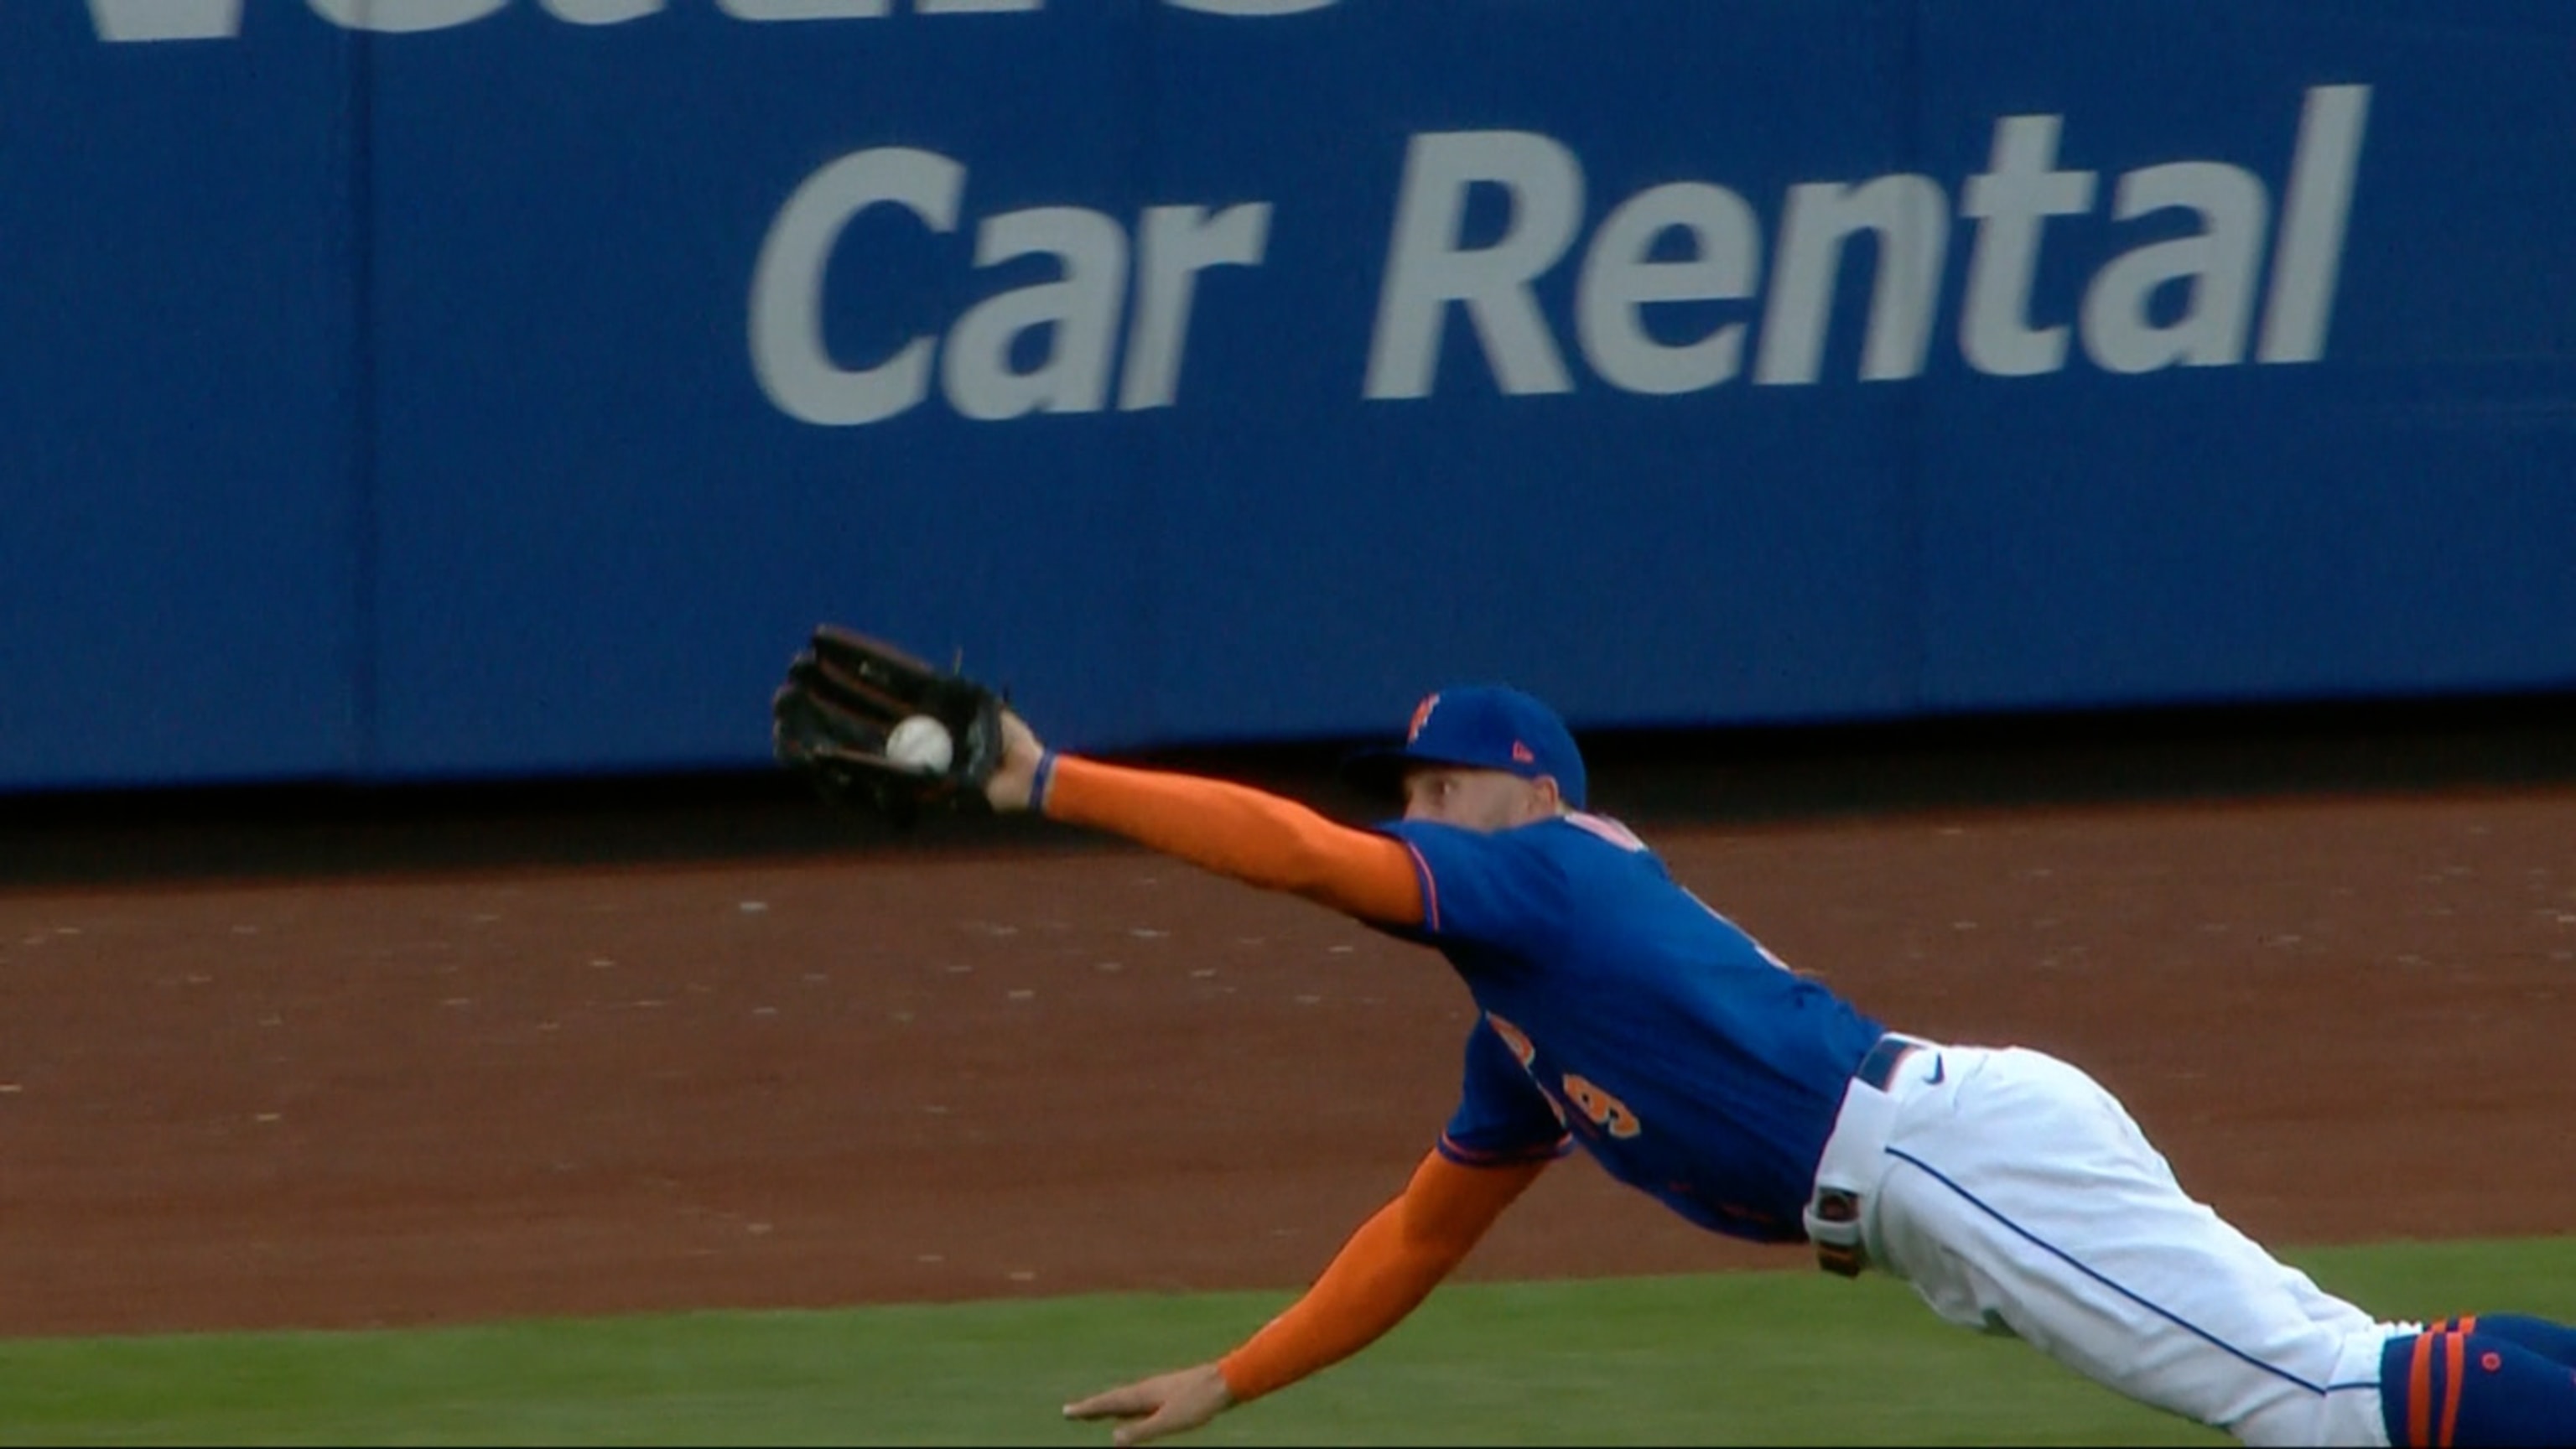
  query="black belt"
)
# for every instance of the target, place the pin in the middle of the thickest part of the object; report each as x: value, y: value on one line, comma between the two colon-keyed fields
x: 1879, y: 1067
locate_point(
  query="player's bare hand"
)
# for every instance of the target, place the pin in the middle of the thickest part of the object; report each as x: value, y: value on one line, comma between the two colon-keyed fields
x: 1015, y: 779
x: 1166, y: 1404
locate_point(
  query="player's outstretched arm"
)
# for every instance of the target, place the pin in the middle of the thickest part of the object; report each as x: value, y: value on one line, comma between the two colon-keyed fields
x: 1382, y: 1274
x: 1235, y: 830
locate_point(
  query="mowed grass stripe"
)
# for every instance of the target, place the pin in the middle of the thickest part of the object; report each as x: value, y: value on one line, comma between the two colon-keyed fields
x: 1752, y: 1358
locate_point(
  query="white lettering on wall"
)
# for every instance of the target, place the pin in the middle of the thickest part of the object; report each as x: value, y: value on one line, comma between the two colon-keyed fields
x: 1668, y: 288
x: 2312, y: 226
x: 2012, y: 201
x: 151, y: 20
x: 1251, y: 7
x: 145, y: 20
x: 601, y: 12
x: 2184, y: 300
x: 1911, y: 219
x: 1428, y: 270
x: 787, y: 351
x: 1075, y: 315
x: 804, y: 9
x: 405, y: 17
x: 2217, y: 262
x: 1078, y: 313
x: 1620, y: 281
x: 1176, y: 244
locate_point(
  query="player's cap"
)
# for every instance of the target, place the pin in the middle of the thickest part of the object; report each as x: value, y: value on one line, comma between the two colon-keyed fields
x: 1482, y: 727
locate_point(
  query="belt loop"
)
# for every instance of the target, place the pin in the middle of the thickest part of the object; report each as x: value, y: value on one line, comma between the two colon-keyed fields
x: 1837, y: 1209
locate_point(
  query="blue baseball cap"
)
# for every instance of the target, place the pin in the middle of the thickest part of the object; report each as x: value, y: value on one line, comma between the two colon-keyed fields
x: 1480, y: 727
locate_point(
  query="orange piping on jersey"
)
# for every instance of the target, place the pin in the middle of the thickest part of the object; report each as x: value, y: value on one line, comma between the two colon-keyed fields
x: 1252, y: 835
x: 2455, y: 1360
x: 2419, y: 1390
x: 1387, y: 1268
x: 1430, y: 888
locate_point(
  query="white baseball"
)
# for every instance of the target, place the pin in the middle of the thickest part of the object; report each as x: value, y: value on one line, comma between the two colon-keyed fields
x: 921, y: 744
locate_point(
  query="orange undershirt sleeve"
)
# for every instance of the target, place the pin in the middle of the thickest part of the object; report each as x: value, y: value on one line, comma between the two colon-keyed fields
x: 1386, y: 1269
x: 1403, y: 1251
x: 1235, y: 830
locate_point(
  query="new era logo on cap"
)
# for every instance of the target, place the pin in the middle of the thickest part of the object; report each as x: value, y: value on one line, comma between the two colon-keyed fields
x: 1484, y: 727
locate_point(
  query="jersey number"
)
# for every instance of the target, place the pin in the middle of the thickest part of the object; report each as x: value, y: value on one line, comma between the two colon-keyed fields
x: 1607, y: 1112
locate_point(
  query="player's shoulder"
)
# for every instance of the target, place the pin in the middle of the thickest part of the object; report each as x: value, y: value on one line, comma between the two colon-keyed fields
x: 1602, y: 828
x: 1559, y: 837
x: 1583, y: 843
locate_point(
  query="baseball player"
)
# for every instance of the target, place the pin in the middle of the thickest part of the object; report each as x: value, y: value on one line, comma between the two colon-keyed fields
x: 1621, y: 1015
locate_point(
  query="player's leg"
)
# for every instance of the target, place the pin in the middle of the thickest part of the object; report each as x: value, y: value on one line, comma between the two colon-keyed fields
x: 2468, y: 1383
x: 2023, y: 1197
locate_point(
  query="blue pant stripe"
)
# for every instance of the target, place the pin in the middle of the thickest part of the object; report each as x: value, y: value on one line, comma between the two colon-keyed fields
x: 2068, y: 1259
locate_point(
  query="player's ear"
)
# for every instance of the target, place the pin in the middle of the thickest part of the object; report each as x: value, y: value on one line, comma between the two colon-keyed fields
x: 1547, y: 800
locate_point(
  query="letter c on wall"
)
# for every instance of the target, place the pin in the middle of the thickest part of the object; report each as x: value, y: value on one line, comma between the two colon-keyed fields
x: 787, y: 351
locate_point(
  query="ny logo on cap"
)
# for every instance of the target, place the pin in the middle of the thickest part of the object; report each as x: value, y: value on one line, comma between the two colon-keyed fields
x: 1421, y: 717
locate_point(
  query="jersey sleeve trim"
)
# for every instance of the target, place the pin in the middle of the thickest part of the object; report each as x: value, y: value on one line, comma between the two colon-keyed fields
x: 1045, y: 776
x: 1465, y: 1156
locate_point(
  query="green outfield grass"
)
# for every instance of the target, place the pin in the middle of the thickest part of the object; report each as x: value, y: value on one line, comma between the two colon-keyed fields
x: 1767, y: 1358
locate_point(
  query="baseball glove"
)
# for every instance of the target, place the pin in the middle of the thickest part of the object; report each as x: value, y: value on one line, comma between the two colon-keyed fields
x: 844, y: 695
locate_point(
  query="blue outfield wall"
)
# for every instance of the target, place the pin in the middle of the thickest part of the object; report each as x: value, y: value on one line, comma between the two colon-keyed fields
x: 398, y: 389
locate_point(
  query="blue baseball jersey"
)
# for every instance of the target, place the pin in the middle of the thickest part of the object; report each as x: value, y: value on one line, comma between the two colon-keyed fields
x: 1621, y: 1012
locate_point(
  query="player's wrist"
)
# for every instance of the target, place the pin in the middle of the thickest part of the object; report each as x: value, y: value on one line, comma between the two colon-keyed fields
x: 1041, y: 775
x: 1239, y: 1379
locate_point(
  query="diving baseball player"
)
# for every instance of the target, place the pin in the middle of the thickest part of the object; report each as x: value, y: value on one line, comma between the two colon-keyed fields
x: 1621, y: 1015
